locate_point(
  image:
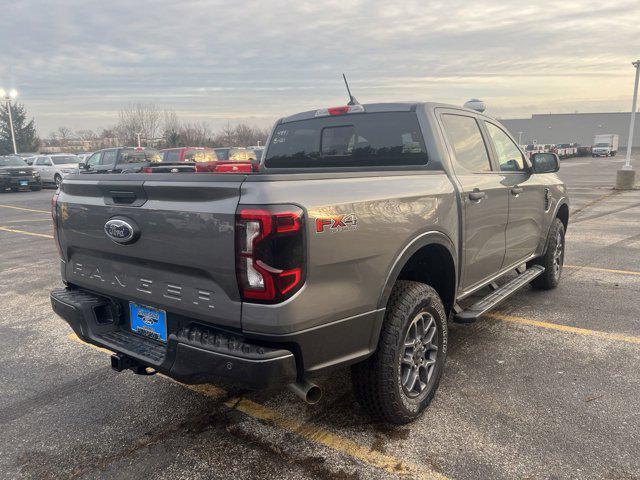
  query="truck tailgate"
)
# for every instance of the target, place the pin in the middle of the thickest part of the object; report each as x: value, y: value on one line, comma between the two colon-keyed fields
x: 183, y: 260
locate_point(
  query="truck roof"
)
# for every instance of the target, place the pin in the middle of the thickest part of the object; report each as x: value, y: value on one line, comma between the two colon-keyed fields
x: 383, y: 107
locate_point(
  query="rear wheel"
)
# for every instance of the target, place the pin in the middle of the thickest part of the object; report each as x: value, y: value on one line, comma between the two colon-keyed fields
x: 58, y: 180
x: 552, y: 260
x: 400, y: 379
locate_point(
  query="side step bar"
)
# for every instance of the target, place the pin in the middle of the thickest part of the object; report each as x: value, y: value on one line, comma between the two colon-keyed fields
x: 497, y: 296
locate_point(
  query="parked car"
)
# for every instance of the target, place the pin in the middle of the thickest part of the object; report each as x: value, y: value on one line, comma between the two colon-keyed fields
x: 188, y: 154
x: 367, y: 229
x: 121, y: 160
x: 53, y: 168
x: 258, y: 151
x: 605, y: 145
x: 565, y: 150
x: 17, y: 175
x: 584, y: 150
x: 82, y: 157
x: 234, y: 160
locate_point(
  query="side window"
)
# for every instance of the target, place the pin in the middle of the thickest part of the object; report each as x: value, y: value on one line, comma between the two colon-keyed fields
x: 38, y: 161
x: 509, y: 155
x: 132, y: 156
x: 109, y: 157
x: 470, y: 151
x: 94, y: 159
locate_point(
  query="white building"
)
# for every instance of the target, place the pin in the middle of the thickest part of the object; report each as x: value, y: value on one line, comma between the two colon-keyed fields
x: 573, y: 127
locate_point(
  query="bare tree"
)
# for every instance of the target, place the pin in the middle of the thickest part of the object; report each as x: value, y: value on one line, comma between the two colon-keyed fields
x: 138, y: 118
x: 171, y: 130
x: 86, y: 135
x: 197, y: 134
x: 63, y: 134
x: 242, y: 135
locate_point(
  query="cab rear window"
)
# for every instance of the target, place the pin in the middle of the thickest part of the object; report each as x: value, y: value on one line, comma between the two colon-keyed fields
x: 358, y: 140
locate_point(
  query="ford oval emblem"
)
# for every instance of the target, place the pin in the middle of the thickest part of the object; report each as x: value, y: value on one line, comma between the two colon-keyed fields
x: 121, y: 230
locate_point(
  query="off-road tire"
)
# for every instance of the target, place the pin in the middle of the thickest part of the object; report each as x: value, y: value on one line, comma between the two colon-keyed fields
x: 550, y: 278
x: 377, y: 381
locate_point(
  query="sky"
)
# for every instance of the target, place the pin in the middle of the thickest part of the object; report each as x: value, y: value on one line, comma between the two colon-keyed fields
x: 76, y: 63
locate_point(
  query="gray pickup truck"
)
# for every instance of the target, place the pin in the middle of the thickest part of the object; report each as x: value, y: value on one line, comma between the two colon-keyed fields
x: 366, y: 230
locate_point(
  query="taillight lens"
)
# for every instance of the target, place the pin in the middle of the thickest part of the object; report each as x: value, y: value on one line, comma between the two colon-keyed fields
x: 270, y: 252
x: 234, y: 168
x: 147, y: 170
x: 54, y: 218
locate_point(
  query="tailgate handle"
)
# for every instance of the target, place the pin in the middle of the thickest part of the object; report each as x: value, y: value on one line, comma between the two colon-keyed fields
x: 123, y: 198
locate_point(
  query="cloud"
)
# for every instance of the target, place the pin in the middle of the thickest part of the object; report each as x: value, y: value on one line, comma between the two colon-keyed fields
x: 78, y: 62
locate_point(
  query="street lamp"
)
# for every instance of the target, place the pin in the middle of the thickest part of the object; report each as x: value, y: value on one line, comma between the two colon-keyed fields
x: 625, y: 179
x: 8, y: 97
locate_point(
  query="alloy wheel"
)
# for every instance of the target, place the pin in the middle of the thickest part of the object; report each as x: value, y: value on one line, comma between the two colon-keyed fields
x: 420, y: 352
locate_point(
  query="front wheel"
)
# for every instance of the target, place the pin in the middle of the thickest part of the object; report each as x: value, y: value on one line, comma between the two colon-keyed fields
x: 400, y: 379
x: 58, y: 180
x: 552, y: 260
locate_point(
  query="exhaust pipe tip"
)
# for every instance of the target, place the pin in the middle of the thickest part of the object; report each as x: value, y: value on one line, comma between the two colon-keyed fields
x: 307, y: 391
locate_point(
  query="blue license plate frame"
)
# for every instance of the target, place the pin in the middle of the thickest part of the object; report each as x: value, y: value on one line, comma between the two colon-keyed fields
x: 148, y: 321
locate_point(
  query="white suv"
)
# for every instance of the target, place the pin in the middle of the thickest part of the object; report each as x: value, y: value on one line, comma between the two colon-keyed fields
x: 53, y: 168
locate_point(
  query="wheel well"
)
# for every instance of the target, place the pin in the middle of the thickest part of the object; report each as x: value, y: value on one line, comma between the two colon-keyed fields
x: 434, y: 266
x: 563, y: 215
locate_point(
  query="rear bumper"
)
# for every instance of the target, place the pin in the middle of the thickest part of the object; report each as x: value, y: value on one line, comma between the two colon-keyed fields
x: 194, y: 353
x: 15, y: 182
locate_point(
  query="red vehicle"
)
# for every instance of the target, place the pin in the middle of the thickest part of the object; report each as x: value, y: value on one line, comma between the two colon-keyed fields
x: 231, y: 160
x: 188, y: 154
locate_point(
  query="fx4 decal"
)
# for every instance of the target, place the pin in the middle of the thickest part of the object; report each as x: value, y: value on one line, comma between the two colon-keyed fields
x: 337, y: 223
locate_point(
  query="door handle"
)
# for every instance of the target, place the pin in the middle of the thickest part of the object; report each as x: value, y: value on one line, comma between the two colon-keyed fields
x: 517, y: 191
x: 477, y: 195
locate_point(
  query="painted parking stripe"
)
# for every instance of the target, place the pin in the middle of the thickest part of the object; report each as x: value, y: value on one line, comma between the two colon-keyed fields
x: 565, y: 328
x: 598, y: 269
x: 28, y: 220
x: 307, y: 431
x: 25, y: 209
x: 24, y: 232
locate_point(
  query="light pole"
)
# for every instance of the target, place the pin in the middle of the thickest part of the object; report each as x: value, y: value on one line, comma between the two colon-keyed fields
x: 8, y: 97
x: 627, y: 163
x: 625, y: 178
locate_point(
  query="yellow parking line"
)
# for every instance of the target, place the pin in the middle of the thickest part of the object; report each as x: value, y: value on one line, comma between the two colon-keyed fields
x: 24, y: 209
x: 565, y: 328
x: 597, y: 269
x: 23, y: 232
x: 28, y: 220
x: 307, y: 431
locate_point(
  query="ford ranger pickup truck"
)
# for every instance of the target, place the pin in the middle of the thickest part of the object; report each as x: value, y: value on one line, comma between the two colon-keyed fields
x: 365, y: 231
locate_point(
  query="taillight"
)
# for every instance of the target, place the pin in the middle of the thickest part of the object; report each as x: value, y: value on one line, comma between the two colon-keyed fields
x: 147, y: 170
x: 54, y: 218
x: 234, y: 168
x: 270, y: 252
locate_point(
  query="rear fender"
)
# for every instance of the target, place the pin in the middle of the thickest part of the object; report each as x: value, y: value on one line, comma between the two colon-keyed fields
x: 423, y: 240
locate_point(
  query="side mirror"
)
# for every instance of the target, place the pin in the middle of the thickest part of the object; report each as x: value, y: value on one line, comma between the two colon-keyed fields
x: 83, y: 166
x: 545, y: 162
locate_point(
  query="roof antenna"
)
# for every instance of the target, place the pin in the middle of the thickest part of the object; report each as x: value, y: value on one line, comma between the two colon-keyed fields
x: 352, y: 99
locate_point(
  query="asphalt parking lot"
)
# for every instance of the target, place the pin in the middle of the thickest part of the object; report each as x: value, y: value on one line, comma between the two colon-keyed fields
x: 548, y: 386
